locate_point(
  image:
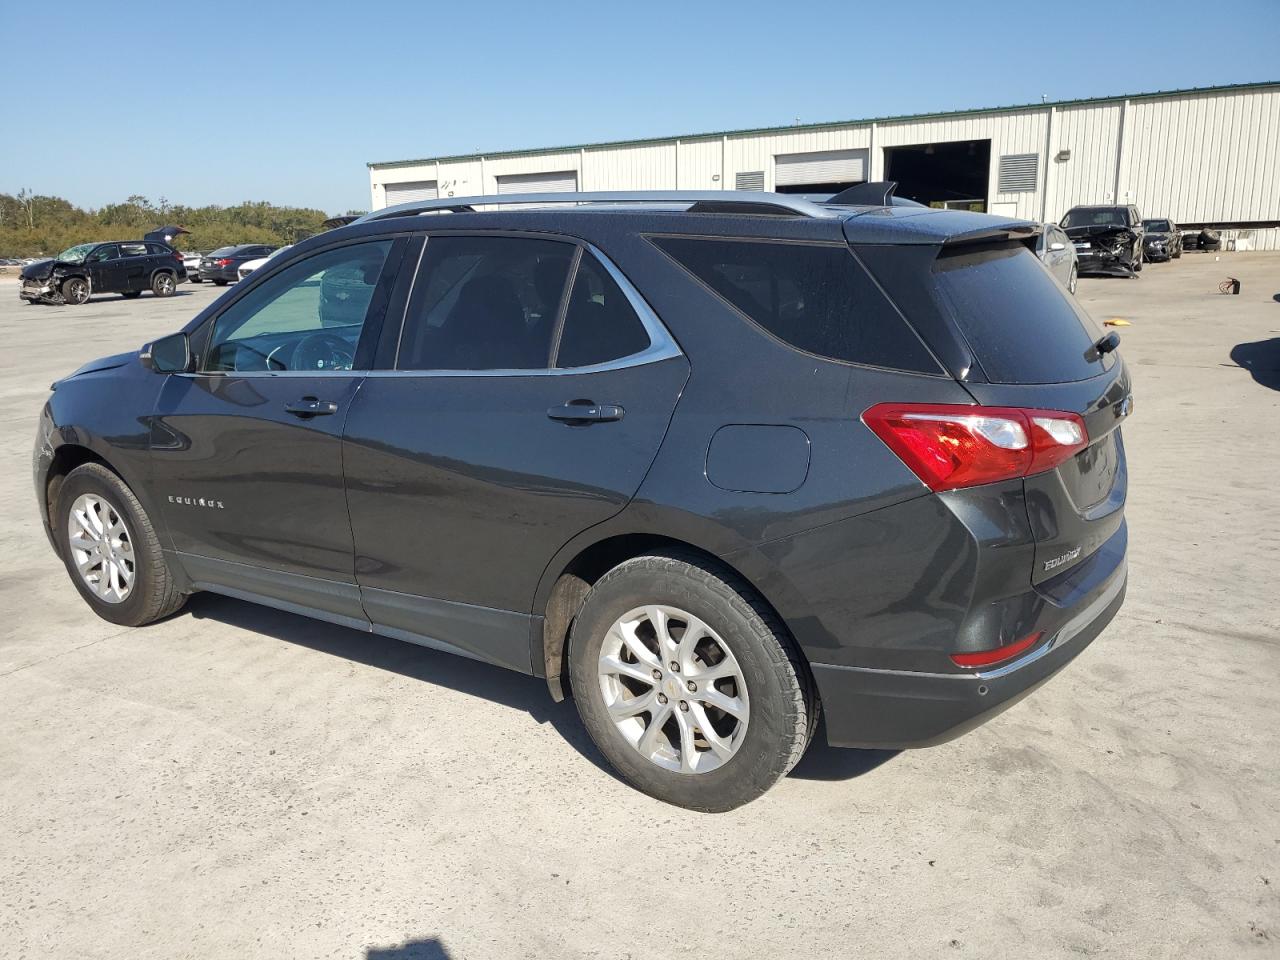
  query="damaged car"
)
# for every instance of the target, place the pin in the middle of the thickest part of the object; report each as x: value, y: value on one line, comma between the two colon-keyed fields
x: 126, y: 267
x: 1108, y: 239
x: 1163, y: 240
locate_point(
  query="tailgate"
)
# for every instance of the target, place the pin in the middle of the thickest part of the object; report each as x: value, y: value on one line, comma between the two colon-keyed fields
x: 1076, y: 507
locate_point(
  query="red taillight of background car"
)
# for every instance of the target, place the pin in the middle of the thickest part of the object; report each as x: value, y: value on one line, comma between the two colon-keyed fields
x: 949, y: 446
x: 224, y: 262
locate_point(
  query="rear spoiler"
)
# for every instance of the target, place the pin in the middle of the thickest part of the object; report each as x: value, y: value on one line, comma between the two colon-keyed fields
x: 1019, y: 230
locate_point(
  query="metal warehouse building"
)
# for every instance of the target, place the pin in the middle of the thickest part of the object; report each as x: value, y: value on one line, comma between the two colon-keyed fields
x: 1208, y: 156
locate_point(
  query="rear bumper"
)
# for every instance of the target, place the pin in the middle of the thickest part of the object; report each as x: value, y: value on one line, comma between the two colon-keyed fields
x: 1104, y: 261
x: 867, y: 707
x: 228, y: 274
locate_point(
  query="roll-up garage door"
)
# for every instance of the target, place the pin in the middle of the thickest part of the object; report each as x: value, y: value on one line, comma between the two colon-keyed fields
x: 560, y: 181
x: 829, y: 166
x: 406, y: 192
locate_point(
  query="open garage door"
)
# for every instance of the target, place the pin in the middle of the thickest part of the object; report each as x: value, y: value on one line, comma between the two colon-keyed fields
x: 560, y: 181
x: 828, y: 171
x: 953, y: 175
x: 407, y: 192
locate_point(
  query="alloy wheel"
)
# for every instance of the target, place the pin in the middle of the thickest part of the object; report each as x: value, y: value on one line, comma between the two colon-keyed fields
x: 164, y: 285
x: 674, y: 689
x: 77, y: 291
x: 102, y: 548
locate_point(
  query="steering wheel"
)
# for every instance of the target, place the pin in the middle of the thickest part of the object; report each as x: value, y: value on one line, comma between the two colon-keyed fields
x: 322, y: 351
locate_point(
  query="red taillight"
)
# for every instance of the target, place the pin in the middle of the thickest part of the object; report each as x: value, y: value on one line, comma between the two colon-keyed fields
x: 1000, y: 654
x: 951, y: 445
x: 224, y: 262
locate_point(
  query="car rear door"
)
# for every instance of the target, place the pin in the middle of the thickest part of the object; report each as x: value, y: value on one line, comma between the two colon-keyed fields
x: 246, y: 450
x: 524, y: 400
x: 136, y: 263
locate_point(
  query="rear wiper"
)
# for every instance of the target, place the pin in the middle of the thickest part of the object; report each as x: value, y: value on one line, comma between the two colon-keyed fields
x: 1108, y: 343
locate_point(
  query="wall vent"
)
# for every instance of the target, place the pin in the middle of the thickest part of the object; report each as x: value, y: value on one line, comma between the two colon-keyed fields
x: 1018, y: 172
x: 749, y: 181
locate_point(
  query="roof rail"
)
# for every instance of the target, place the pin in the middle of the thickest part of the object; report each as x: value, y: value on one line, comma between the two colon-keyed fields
x: 700, y: 201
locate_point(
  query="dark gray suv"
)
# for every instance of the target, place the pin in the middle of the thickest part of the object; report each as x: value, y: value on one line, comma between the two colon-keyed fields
x: 719, y: 464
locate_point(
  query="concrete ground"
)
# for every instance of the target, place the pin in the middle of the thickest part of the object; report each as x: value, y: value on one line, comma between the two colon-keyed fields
x: 238, y: 782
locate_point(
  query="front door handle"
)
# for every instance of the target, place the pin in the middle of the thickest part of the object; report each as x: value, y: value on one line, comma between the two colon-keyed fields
x: 309, y: 407
x: 584, y: 411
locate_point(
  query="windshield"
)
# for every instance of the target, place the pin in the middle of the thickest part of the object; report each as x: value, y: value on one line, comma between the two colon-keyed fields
x: 1157, y: 226
x: 77, y: 253
x: 1094, y: 217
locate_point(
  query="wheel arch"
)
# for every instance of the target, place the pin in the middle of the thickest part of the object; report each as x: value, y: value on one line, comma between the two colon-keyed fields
x: 566, y: 583
x: 66, y: 458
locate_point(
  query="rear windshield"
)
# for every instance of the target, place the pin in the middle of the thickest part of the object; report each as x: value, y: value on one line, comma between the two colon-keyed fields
x: 1022, y: 325
x: 1157, y: 226
x: 814, y: 297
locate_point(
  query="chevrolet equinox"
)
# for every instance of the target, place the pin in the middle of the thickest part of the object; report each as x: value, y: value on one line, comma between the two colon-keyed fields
x: 715, y: 463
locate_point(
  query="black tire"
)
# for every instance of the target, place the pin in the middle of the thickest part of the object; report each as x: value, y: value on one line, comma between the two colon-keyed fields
x: 164, y: 284
x: 220, y: 283
x: 76, y: 291
x: 154, y: 592
x: 783, y: 707
x: 194, y: 279
x: 131, y: 294
x: 1178, y: 254
x: 1072, y: 280
x: 1137, y: 263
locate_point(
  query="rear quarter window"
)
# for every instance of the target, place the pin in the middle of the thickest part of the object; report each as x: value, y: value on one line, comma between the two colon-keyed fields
x: 816, y: 298
x: 1022, y: 326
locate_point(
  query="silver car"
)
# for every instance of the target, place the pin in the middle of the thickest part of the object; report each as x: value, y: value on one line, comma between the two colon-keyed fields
x: 1055, y: 248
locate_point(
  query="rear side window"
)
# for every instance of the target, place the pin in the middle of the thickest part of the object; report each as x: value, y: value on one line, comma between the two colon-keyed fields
x: 1023, y: 327
x: 815, y: 298
x: 600, y: 324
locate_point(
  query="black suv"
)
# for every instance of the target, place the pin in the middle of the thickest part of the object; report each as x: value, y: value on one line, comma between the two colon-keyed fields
x: 714, y: 462
x: 223, y: 265
x: 127, y: 267
x: 1108, y: 239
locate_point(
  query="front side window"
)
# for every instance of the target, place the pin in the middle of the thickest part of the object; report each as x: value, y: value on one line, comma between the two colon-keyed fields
x: 485, y: 303
x: 816, y: 298
x: 104, y: 253
x: 306, y: 317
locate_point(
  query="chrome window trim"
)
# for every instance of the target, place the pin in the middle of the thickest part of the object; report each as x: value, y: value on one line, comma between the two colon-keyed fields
x: 662, y: 346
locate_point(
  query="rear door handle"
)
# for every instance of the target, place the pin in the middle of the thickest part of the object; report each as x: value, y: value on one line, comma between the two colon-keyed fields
x: 584, y: 411
x: 309, y: 407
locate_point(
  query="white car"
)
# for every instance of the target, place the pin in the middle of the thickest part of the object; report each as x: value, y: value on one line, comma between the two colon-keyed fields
x: 192, y: 263
x: 251, y: 265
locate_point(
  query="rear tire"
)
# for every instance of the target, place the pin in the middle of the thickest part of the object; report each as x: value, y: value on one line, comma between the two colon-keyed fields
x: 194, y: 279
x: 220, y: 283
x: 115, y: 561
x: 163, y: 284
x: 741, y: 657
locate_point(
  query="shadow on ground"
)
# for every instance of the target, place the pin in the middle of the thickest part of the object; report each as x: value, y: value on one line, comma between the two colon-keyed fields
x: 1261, y: 358
x: 474, y: 678
x: 427, y: 949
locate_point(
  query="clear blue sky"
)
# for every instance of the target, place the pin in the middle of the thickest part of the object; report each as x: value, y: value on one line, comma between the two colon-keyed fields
x: 287, y: 102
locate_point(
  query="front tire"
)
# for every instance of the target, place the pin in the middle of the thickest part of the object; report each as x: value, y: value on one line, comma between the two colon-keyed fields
x: 110, y: 549
x: 688, y: 683
x: 76, y: 291
x: 1072, y: 280
x: 131, y: 294
x: 220, y: 283
x: 163, y: 284
x: 195, y: 279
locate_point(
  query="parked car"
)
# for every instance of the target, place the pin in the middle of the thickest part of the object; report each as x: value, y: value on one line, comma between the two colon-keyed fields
x: 1162, y: 240
x: 252, y: 265
x: 222, y: 266
x: 127, y: 267
x: 1055, y: 248
x: 1108, y: 239
x: 718, y: 473
x: 192, y: 262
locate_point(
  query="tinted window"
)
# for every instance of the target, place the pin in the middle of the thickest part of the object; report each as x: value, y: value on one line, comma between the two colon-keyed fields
x: 816, y: 298
x: 133, y: 249
x: 600, y: 324
x: 1157, y: 226
x: 485, y: 303
x: 306, y: 317
x: 223, y: 252
x: 1095, y: 216
x: 1022, y: 326
x: 105, y: 252
x: 156, y: 250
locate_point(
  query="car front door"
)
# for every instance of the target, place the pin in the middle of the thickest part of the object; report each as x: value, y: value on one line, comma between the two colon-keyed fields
x: 246, y: 450
x: 528, y: 394
x: 106, y: 270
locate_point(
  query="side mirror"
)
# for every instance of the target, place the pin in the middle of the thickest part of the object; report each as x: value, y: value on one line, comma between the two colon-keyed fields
x: 1057, y: 245
x: 171, y: 354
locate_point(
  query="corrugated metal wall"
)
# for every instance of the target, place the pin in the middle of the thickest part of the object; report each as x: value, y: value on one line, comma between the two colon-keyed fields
x: 1211, y: 156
